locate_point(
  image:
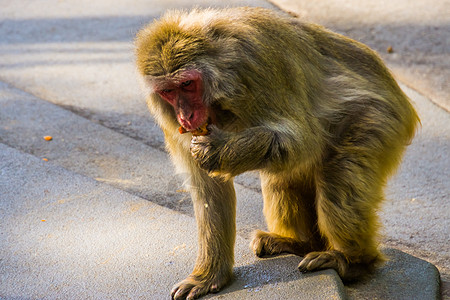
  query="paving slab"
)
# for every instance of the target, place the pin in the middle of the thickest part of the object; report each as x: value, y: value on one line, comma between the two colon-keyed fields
x: 67, y: 236
x: 403, y: 277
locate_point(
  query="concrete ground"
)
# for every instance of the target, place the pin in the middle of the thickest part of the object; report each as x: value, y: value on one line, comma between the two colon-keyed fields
x: 105, y: 216
x: 417, y: 32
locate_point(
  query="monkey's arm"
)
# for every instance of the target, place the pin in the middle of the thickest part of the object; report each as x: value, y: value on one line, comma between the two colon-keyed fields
x: 215, y: 210
x: 228, y: 154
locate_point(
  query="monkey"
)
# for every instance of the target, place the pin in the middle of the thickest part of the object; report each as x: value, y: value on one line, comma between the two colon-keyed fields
x: 318, y: 114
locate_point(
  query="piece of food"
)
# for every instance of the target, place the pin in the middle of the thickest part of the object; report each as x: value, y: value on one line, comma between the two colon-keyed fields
x: 48, y: 138
x: 202, y: 130
x: 182, y: 130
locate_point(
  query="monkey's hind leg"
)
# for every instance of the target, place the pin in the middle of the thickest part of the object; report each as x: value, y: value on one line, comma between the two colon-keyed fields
x: 290, y: 217
x: 348, y: 195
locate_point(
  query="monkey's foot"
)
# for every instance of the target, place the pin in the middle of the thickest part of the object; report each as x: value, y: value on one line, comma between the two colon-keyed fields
x: 314, y: 261
x: 194, y: 287
x: 347, y: 270
x: 267, y: 244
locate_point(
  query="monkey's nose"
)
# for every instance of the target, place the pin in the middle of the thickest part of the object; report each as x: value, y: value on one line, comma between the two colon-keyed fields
x: 186, y: 116
x: 185, y: 119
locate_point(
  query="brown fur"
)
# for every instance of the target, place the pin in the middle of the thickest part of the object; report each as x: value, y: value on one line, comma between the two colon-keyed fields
x: 317, y: 113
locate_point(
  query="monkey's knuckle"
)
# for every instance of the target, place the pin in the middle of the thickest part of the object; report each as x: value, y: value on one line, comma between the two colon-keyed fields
x: 203, y: 138
x: 195, y: 150
x: 204, y: 148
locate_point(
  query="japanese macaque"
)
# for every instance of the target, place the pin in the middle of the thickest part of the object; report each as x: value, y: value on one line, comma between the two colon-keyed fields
x: 318, y: 114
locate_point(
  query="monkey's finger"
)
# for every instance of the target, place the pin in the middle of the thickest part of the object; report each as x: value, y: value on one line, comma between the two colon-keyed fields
x: 199, y: 139
x: 180, y: 292
x: 196, y: 292
x: 257, y: 244
x: 304, y: 265
x: 200, y: 147
x: 197, y: 145
x: 324, y: 260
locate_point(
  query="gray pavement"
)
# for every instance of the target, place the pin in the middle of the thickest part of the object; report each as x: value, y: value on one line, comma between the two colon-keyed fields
x: 417, y: 31
x: 106, y: 217
x: 67, y: 236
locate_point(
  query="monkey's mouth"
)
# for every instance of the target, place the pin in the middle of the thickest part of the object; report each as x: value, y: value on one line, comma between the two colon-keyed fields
x: 201, y: 130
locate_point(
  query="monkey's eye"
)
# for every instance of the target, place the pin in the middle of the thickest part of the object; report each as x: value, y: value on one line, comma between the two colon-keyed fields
x: 167, y: 91
x: 188, y: 86
x: 186, y: 83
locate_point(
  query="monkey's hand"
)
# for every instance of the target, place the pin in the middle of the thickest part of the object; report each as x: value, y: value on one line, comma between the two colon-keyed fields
x: 227, y: 154
x: 194, y: 287
x: 209, y: 151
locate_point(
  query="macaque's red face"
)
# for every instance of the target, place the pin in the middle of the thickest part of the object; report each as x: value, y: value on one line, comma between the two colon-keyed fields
x: 184, y: 93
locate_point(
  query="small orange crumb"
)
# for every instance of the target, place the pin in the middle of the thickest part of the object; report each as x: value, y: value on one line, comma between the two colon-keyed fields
x: 389, y: 49
x: 43, y: 220
x: 45, y: 159
x: 48, y: 138
x: 182, y: 130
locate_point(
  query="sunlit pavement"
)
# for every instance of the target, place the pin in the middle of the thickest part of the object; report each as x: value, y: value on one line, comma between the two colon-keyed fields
x: 98, y: 213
